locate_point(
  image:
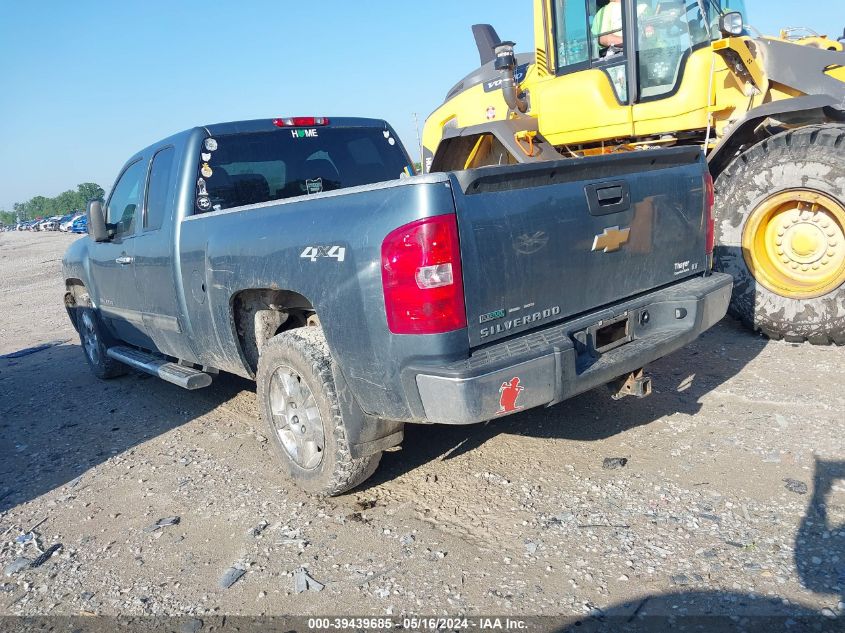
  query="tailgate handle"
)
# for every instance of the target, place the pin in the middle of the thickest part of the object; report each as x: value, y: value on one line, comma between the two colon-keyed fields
x: 608, y: 197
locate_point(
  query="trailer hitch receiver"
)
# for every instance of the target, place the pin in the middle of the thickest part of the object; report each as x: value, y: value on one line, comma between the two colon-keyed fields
x: 633, y: 384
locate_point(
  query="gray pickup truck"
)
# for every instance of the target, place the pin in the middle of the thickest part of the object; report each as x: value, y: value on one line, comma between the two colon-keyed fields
x: 305, y: 254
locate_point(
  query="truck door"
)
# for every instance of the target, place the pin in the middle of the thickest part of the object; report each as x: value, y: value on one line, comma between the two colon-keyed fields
x: 153, y: 263
x: 588, y: 100
x: 114, y: 284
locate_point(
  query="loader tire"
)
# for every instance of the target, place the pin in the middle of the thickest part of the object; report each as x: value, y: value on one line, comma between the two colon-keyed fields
x: 298, y: 400
x: 780, y: 231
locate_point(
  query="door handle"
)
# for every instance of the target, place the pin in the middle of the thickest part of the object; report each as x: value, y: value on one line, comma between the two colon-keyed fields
x: 125, y: 259
x: 608, y: 197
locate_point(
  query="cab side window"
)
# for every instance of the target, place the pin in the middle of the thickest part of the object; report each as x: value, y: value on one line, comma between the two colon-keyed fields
x: 606, y: 28
x: 158, y: 188
x: 125, y: 199
x: 571, y: 29
x: 590, y: 33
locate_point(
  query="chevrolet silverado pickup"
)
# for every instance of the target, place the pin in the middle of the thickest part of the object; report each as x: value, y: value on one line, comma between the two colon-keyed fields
x: 305, y: 254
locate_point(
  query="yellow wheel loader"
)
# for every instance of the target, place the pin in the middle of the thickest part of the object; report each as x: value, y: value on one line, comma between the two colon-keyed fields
x: 627, y: 75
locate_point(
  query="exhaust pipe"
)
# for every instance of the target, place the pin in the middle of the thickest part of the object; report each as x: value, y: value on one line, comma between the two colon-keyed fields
x: 506, y: 64
x: 634, y: 384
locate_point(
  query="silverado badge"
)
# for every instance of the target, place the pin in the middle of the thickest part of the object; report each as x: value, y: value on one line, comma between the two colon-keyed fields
x: 611, y: 240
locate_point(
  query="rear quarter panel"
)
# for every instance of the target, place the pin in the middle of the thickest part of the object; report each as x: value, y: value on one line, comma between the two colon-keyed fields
x: 263, y: 246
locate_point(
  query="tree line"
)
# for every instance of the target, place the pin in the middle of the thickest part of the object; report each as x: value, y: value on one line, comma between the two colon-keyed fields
x: 64, y: 203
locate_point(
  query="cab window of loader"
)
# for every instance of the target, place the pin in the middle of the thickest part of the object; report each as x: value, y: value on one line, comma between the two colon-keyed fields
x: 572, y: 33
x: 667, y: 30
x: 606, y: 27
x: 589, y: 33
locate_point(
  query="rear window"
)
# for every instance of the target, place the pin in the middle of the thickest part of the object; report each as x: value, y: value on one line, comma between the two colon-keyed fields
x: 248, y: 168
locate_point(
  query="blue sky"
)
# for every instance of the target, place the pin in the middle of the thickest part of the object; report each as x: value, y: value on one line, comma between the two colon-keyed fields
x: 85, y: 84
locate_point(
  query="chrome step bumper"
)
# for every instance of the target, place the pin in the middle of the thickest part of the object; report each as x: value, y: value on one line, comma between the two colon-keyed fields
x: 550, y: 365
x: 185, y: 377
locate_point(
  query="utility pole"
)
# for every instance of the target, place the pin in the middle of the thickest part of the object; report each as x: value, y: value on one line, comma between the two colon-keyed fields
x: 419, y: 142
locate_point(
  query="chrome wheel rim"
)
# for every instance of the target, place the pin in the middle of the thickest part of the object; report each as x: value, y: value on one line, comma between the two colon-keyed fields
x: 89, y: 339
x: 296, y: 418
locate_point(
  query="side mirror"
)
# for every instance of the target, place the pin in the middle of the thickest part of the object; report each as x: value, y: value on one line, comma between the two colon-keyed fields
x: 731, y: 24
x: 96, y: 221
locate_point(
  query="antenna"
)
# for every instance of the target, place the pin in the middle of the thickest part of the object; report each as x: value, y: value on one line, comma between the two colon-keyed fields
x: 419, y: 142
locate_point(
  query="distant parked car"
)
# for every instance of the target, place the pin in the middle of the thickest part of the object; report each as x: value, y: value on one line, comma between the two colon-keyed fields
x: 80, y: 225
x: 63, y: 220
x: 68, y: 220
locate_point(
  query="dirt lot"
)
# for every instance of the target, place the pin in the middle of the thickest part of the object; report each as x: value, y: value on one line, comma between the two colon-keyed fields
x: 732, y: 499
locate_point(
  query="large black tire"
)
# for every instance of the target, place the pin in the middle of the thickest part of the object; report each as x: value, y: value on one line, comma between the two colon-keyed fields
x: 95, y: 341
x: 303, y: 354
x: 809, y: 159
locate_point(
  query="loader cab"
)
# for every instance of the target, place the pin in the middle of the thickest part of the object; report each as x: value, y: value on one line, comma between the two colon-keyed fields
x: 619, y: 67
x: 587, y: 96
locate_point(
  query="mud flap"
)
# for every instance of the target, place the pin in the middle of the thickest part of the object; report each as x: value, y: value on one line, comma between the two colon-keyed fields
x: 366, y: 434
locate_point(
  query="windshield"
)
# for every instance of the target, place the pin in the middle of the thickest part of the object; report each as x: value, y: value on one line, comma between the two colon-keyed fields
x: 249, y: 168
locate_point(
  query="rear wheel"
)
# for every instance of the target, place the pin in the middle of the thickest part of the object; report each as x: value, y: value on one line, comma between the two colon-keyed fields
x: 298, y: 400
x: 780, y: 231
x: 95, y: 343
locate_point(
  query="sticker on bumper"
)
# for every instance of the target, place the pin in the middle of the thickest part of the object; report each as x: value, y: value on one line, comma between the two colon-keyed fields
x: 509, y: 393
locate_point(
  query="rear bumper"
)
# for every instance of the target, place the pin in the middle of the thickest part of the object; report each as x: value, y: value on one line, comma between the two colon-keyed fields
x: 556, y: 363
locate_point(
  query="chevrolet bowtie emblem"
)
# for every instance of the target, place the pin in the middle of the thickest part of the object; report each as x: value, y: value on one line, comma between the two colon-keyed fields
x: 611, y: 240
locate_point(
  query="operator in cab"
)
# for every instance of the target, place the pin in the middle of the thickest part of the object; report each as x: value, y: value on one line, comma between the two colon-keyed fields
x: 607, y: 27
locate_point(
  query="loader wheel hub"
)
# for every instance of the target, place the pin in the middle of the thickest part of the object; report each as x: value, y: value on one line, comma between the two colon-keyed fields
x: 804, y: 244
x: 794, y: 243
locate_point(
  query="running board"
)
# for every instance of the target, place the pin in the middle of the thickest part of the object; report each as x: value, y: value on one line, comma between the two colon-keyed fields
x: 185, y: 377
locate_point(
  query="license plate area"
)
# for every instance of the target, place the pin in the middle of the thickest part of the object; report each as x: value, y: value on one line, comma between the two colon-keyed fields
x: 607, y: 334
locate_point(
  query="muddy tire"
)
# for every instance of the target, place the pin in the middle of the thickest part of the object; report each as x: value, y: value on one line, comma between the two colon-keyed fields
x: 780, y: 228
x: 95, y: 341
x: 298, y: 401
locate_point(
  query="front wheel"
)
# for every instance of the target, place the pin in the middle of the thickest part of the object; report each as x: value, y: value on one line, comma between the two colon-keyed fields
x: 780, y: 231
x: 95, y: 342
x: 298, y: 400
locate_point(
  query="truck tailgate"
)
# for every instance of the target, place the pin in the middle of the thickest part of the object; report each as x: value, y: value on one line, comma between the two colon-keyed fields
x: 545, y: 241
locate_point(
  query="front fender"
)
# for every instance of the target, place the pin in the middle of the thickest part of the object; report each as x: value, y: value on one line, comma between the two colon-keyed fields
x: 76, y: 274
x: 794, y: 112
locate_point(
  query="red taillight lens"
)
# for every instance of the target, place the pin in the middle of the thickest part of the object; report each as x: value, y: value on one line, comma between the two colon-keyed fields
x: 710, y: 201
x: 301, y: 121
x: 421, y: 275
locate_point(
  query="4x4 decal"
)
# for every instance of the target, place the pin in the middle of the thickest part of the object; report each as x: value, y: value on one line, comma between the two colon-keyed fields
x: 313, y: 252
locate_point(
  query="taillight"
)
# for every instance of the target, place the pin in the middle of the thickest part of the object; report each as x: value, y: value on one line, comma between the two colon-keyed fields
x: 421, y: 276
x: 301, y: 121
x: 710, y: 201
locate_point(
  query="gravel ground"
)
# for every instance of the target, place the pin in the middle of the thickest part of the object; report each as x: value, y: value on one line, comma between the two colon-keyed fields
x: 732, y: 499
